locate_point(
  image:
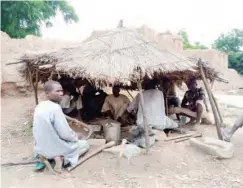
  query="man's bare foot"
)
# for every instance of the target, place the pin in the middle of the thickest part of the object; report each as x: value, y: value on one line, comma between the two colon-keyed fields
x: 206, y: 121
x: 58, y: 166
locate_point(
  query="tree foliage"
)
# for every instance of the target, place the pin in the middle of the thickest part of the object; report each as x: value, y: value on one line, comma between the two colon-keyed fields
x: 232, y: 43
x: 187, y: 44
x: 22, y: 18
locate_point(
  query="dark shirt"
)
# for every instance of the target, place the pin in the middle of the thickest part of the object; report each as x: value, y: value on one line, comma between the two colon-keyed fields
x: 191, y: 97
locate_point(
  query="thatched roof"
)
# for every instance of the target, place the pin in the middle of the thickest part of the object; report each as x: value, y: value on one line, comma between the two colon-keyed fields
x: 122, y: 55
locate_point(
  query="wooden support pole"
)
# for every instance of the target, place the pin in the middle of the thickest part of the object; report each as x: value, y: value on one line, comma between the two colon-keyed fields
x: 166, y: 105
x: 144, y: 118
x: 217, y: 107
x: 211, y: 101
x: 32, y: 84
x: 36, y: 87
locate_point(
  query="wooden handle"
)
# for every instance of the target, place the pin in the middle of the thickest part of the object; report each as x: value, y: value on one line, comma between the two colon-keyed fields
x: 187, y: 138
x: 89, y: 155
x: 124, y: 141
x: 81, y: 123
x: 178, y: 137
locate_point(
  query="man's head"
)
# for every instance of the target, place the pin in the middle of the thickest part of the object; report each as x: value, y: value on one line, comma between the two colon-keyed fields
x: 192, y: 83
x: 167, y: 83
x: 116, y: 90
x: 151, y: 84
x: 53, y: 91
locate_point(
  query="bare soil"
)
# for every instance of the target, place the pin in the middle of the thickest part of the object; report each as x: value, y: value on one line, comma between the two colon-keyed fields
x: 167, y: 165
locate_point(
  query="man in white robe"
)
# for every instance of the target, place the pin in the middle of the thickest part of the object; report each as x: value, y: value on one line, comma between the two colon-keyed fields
x: 154, y: 109
x: 54, y: 139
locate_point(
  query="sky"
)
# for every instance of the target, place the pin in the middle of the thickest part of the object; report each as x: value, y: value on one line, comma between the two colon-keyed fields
x: 204, y: 20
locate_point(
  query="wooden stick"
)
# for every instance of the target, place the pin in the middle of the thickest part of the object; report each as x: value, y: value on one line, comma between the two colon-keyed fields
x: 129, y: 93
x: 82, y: 124
x: 217, y: 107
x: 36, y: 87
x: 19, y: 163
x: 178, y: 137
x: 13, y: 63
x: 124, y: 141
x: 89, y: 155
x: 166, y: 105
x: 187, y: 138
x: 144, y: 118
x: 31, y: 83
x: 210, y: 100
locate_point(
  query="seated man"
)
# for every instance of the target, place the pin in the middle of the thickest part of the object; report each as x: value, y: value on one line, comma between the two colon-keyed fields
x: 115, y: 105
x: 170, y: 97
x: 154, y: 109
x: 227, y: 134
x: 92, y: 99
x: 54, y: 139
x: 194, y: 105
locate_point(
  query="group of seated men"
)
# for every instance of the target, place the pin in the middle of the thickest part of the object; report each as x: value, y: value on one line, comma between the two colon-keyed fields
x: 54, y: 139
x: 88, y: 104
x: 81, y: 100
x: 62, y: 144
x: 193, y: 106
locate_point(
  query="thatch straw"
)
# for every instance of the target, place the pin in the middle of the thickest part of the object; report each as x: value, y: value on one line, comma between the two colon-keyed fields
x: 117, y: 56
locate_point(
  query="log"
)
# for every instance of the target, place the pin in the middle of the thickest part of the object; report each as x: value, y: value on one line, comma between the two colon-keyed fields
x: 210, y: 100
x: 144, y: 119
x: 89, y: 155
x: 178, y: 137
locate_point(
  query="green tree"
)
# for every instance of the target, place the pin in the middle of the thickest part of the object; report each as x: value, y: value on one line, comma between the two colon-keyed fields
x: 22, y: 18
x: 186, y: 41
x: 232, y: 43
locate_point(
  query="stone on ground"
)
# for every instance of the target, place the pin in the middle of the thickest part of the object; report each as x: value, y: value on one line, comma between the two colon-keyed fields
x: 215, y: 147
x: 129, y: 150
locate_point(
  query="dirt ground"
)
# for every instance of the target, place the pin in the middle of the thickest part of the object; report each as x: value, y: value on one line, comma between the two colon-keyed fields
x: 167, y: 165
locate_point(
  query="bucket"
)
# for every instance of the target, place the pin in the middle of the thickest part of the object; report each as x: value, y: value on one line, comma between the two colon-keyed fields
x: 112, y: 131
